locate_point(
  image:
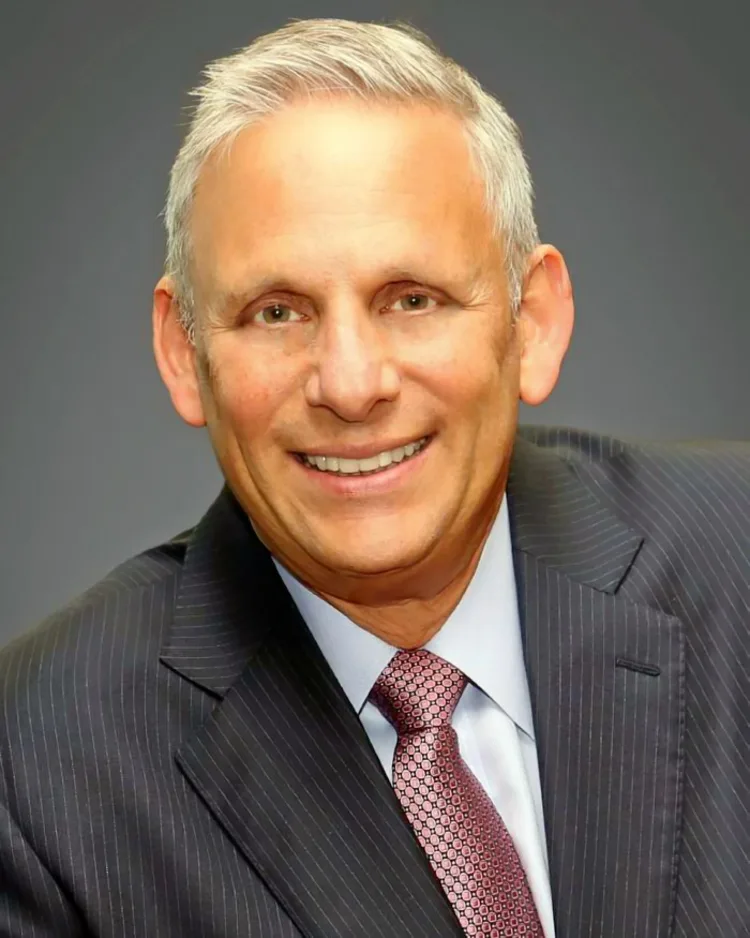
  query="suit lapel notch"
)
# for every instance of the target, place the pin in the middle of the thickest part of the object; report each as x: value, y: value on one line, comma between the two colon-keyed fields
x: 556, y: 517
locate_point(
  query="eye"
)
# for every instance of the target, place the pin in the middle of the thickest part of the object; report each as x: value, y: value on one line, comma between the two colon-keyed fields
x: 276, y: 314
x: 414, y: 302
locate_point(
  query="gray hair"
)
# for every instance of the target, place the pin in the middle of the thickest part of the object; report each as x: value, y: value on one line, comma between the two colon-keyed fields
x: 366, y: 60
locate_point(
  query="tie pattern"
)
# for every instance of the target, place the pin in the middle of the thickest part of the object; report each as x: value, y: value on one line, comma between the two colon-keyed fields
x: 457, y: 825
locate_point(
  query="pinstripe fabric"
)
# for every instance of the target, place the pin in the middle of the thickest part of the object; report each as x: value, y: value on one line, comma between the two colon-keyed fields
x: 177, y: 758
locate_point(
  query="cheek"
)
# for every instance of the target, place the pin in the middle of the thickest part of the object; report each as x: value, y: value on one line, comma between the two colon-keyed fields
x: 472, y: 367
x: 246, y: 395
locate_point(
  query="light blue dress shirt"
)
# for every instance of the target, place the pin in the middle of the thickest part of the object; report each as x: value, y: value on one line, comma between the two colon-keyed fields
x: 481, y: 637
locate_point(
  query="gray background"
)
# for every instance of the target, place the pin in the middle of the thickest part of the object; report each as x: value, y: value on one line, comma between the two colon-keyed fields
x: 636, y: 119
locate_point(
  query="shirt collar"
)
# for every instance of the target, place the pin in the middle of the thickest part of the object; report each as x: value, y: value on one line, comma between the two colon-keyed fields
x: 482, y: 636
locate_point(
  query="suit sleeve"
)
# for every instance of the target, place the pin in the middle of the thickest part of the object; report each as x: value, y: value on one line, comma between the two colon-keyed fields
x: 32, y: 905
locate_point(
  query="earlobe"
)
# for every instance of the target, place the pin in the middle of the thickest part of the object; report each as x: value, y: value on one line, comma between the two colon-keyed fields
x: 546, y: 319
x: 175, y: 356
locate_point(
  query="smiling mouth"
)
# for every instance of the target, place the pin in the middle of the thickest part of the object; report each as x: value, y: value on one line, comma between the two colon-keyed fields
x: 340, y: 466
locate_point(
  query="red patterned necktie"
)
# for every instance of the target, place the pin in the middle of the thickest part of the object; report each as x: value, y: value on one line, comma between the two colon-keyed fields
x: 457, y: 825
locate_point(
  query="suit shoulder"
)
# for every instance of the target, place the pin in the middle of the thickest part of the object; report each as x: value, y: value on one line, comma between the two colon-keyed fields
x: 704, y: 459
x: 701, y: 486
x: 574, y: 444
x: 109, y: 626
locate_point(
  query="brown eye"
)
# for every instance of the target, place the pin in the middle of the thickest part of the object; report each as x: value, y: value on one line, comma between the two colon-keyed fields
x: 276, y: 314
x: 414, y: 302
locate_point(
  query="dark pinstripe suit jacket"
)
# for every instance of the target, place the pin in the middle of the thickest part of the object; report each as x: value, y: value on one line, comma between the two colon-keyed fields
x: 178, y: 760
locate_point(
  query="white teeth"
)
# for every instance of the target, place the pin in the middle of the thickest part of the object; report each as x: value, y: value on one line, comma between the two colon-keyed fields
x: 371, y: 464
x: 367, y: 465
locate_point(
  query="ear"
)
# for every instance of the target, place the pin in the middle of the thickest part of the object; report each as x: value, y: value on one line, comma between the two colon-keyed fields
x: 176, y: 356
x: 545, y: 322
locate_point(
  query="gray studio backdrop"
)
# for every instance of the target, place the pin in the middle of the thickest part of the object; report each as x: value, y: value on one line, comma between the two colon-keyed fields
x: 636, y: 119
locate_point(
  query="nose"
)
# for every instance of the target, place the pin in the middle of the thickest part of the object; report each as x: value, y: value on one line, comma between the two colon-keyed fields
x: 354, y: 366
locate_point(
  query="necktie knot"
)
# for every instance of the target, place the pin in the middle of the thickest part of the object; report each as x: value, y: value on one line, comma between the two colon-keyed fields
x: 418, y: 690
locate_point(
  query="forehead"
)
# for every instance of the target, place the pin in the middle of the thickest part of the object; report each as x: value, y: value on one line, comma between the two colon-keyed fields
x: 340, y: 184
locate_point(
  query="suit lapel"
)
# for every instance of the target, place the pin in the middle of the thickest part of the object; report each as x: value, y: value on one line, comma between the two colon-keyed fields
x: 283, y: 762
x: 606, y: 679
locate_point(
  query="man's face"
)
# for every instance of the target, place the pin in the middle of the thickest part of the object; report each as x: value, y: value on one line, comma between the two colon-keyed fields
x: 351, y: 299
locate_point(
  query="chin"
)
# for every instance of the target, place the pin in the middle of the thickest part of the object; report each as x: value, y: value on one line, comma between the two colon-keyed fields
x: 371, y: 556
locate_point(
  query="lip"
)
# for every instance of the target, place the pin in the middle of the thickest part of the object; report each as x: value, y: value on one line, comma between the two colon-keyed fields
x: 361, y: 452
x: 379, y: 483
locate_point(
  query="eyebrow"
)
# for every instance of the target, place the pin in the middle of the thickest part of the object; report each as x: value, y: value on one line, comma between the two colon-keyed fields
x: 469, y: 278
x: 238, y: 296
x: 233, y: 297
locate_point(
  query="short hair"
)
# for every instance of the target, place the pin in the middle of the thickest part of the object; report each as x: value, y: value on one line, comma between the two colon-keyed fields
x: 382, y: 63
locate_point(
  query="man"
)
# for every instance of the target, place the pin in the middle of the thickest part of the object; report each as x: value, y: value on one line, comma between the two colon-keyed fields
x: 415, y: 672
